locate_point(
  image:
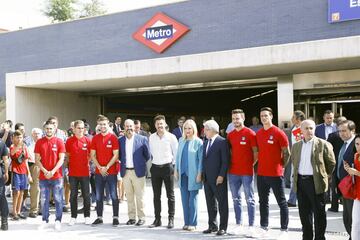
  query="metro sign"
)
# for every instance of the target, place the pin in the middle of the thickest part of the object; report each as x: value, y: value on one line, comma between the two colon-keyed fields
x: 160, y: 32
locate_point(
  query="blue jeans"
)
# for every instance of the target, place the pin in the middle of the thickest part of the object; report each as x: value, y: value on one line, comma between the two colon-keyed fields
x: 235, y: 183
x: 189, y: 202
x: 292, y: 196
x: 57, y: 187
x: 100, y: 183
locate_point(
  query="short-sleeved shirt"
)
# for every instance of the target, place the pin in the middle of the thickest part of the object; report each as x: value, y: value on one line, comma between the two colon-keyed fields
x: 104, y: 147
x: 79, y: 151
x: 15, y: 166
x: 270, y: 142
x: 3, y: 150
x: 242, y: 157
x: 8, y: 140
x: 49, y: 150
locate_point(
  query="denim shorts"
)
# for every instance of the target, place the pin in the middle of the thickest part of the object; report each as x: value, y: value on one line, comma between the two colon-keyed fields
x: 19, y: 181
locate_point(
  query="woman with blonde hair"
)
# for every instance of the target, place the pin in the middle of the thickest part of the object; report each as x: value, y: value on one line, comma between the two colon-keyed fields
x: 188, y: 170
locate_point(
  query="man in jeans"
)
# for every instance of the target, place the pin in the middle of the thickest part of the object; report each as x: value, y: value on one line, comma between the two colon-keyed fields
x: 4, y: 176
x: 273, y: 156
x: 49, y: 157
x: 105, y: 155
x: 241, y: 172
x: 78, y: 152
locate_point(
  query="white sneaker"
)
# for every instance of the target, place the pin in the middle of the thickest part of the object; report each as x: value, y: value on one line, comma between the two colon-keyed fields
x: 250, y: 233
x: 261, y: 233
x: 57, y: 225
x: 283, y: 235
x: 72, y: 221
x: 87, y: 221
x: 237, y: 230
x: 43, y: 225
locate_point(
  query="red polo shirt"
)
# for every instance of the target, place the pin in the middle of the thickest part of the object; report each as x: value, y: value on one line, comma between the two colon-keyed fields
x: 49, y: 150
x: 104, y: 146
x: 15, y: 166
x: 270, y: 142
x: 79, y: 152
x: 242, y: 157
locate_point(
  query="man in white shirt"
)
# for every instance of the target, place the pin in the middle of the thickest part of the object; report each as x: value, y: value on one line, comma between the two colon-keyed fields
x: 163, y: 148
x: 313, y: 161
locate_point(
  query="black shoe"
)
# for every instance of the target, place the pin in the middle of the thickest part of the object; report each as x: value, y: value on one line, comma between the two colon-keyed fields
x: 131, y: 222
x: 221, y: 232
x: 4, y: 224
x: 156, y: 223
x: 80, y: 211
x: 210, y: 230
x: 140, y: 222
x: 16, y: 218
x: 98, y: 221
x: 171, y: 223
x: 33, y: 215
x: 22, y: 216
x: 291, y: 205
x: 116, y: 222
x: 65, y: 209
x: 332, y: 210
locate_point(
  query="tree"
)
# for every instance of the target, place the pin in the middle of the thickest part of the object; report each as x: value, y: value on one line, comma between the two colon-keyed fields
x: 92, y: 8
x: 60, y: 10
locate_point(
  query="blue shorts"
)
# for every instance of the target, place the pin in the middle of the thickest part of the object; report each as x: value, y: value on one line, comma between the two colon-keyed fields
x: 19, y: 182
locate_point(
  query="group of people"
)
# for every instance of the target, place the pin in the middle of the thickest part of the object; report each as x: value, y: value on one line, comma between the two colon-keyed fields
x: 48, y: 157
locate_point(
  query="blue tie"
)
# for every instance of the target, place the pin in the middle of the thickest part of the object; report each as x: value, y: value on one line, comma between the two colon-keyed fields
x: 340, y: 159
x: 209, y: 145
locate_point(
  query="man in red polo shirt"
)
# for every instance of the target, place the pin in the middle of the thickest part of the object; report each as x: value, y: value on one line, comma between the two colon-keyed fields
x: 49, y: 156
x: 105, y: 155
x: 241, y: 172
x: 78, y: 152
x: 273, y: 156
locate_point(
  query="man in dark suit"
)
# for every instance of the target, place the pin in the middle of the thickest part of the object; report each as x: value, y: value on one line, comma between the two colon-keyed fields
x: 323, y: 130
x: 215, y: 165
x: 178, y: 130
x: 337, y: 143
x: 313, y: 160
x: 346, y: 153
x: 117, y: 127
x: 134, y: 153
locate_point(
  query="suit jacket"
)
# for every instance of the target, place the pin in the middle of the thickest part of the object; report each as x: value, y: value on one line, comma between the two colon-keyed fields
x: 195, y: 159
x: 216, y: 161
x: 348, y: 157
x: 177, y: 133
x: 320, y: 130
x: 141, y: 154
x: 322, y: 161
x: 336, y: 142
x: 116, y: 131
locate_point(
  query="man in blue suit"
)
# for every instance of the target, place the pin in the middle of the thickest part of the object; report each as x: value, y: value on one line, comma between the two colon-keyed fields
x: 178, y: 130
x: 216, y: 159
x: 323, y: 130
x: 134, y: 153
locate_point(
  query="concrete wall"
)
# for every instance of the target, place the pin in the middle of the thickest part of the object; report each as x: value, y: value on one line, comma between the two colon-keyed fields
x: 216, y: 25
x: 34, y: 106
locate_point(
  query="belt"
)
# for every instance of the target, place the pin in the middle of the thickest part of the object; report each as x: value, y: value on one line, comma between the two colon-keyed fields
x: 303, y: 177
x: 162, y: 165
x: 128, y: 168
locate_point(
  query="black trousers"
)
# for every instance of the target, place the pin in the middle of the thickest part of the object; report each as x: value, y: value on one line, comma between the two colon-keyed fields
x: 277, y: 184
x: 217, y: 197
x: 347, y: 214
x: 334, y: 192
x: 4, y: 208
x: 311, y: 206
x: 85, y: 192
x: 163, y: 174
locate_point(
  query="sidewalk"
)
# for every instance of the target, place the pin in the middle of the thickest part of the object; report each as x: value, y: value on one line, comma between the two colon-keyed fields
x: 27, y: 229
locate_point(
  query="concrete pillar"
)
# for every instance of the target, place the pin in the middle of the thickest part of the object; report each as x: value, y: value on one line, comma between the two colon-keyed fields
x: 285, y: 99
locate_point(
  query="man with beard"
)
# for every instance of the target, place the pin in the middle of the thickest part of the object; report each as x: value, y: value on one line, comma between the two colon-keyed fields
x: 134, y: 153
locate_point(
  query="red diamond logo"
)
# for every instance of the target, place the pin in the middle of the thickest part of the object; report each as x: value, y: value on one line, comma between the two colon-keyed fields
x: 160, y: 32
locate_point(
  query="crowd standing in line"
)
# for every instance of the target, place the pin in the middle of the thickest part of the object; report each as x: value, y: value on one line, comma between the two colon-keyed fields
x: 114, y: 161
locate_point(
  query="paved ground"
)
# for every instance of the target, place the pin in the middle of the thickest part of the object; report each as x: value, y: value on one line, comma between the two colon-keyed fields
x: 27, y: 229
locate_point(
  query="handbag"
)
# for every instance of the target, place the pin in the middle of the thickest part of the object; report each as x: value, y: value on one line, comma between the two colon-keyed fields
x: 347, y: 187
x: 21, y: 158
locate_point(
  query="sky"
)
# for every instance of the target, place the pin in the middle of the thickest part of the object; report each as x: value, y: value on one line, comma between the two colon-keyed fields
x: 21, y: 14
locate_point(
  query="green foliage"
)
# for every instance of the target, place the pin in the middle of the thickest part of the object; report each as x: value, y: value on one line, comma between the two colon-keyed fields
x: 92, y: 8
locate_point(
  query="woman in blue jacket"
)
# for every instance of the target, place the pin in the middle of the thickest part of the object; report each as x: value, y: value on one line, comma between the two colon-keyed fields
x: 188, y: 170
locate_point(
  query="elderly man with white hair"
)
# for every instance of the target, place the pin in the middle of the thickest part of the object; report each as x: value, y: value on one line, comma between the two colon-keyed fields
x: 36, y: 134
x: 314, y: 161
x: 216, y: 159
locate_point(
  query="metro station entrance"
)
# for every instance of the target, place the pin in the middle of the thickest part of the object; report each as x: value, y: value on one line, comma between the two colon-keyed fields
x: 203, y: 105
